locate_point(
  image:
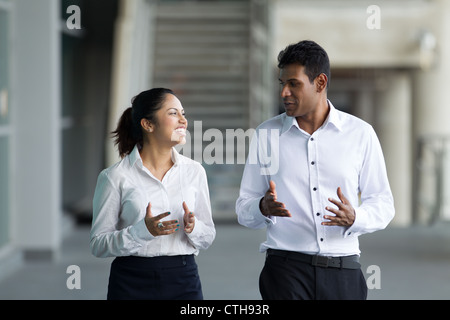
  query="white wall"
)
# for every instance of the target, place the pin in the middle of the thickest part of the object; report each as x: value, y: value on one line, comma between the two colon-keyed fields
x: 344, y: 27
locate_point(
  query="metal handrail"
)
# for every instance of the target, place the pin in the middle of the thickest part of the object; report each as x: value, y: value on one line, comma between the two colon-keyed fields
x: 436, y: 148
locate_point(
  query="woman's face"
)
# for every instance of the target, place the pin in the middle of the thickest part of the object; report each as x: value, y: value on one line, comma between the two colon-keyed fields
x: 171, y: 123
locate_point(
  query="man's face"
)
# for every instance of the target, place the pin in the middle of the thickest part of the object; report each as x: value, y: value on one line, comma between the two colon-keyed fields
x: 299, y: 95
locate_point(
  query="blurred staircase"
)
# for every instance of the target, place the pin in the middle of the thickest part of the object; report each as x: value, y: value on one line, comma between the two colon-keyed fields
x: 202, y: 52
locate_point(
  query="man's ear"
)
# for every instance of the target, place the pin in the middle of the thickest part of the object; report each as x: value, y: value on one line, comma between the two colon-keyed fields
x: 321, y: 82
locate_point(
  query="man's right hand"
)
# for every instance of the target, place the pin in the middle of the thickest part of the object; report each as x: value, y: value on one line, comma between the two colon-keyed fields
x: 269, y: 205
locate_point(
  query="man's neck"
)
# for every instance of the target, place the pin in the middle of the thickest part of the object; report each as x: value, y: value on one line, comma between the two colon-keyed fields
x: 314, y: 120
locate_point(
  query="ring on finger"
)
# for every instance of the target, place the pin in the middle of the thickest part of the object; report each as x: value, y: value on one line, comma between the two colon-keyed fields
x: 160, y: 225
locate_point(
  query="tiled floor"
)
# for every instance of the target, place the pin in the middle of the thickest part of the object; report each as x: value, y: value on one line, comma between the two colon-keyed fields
x: 409, y: 263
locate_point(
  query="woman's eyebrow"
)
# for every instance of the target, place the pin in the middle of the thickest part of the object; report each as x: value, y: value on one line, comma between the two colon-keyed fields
x: 175, y: 109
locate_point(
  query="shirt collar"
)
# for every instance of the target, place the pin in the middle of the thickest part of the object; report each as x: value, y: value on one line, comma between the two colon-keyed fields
x: 333, y: 119
x: 135, y: 156
x: 175, y: 157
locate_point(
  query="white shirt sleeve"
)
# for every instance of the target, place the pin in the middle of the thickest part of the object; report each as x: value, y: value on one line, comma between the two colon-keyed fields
x: 204, y: 231
x: 254, y: 185
x: 105, y: 239
x: 377, y: 204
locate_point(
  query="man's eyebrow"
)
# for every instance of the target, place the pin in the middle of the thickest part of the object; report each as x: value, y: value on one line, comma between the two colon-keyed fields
x: 292, y: 79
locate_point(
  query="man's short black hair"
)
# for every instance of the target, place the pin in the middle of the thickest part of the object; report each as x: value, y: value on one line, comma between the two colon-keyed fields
x: 308, y: 54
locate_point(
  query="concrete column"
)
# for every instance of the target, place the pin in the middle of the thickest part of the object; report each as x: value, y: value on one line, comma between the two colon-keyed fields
x: 393, y: 126
x: 132, y: 61
x: 364, y: 103
x: 431, y: 97
x: 431, y: 93
x: 36, y: 121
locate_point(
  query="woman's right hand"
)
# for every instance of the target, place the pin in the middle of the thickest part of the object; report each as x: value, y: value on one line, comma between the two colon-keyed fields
x: 157, y: 227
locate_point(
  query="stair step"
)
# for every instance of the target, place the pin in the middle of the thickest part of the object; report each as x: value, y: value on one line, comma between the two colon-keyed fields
x: 210, y: 40
x: 199, y: 61
x: 223, y: 123
x: 202, y: 52
x: 200, y: 86
x: 201, y: 26
x: 195, y: 112
x: 205, y: 11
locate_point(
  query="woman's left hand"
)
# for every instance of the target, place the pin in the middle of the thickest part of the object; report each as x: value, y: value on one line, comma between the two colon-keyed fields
x: 189, y: 219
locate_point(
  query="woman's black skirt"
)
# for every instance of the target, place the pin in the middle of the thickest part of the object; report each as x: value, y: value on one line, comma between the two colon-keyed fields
x: 154, y: 278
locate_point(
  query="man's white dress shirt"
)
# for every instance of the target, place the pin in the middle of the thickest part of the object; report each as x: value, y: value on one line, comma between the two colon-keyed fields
x: 307, y: 170
x: 121, y: 197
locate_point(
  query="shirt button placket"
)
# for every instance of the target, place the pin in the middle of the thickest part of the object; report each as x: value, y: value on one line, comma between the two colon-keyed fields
x: 165, y: 197
x: 166, y: 205
x: 314, y: 184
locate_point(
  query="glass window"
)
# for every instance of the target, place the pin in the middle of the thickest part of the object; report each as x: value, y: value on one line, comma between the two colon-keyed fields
x: 4, y: 124
x: 4, y: 67
x: 4, y: 191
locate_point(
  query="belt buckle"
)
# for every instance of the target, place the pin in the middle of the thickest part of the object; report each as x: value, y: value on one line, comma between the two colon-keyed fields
x: 320, y: 261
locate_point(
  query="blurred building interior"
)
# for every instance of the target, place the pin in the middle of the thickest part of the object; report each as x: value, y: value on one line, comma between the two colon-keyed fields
x: 62, y: 90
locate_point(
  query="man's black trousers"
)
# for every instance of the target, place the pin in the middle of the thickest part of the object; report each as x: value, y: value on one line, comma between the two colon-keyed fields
x: 287, y: 279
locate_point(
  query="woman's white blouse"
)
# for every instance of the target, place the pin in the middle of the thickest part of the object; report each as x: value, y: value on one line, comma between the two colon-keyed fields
x: 121, y: 197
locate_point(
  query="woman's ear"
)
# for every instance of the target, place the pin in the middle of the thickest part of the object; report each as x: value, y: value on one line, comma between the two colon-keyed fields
x: 146, y: 125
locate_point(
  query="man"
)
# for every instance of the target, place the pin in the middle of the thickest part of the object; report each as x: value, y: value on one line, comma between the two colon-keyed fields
x: 325, y: 186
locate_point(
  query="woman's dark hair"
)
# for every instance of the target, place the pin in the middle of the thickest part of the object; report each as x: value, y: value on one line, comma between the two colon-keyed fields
x: 308, y: 54
x: 129, y: 129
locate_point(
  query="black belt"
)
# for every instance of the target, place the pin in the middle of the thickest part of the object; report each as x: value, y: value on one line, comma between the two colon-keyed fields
x: 346, y: 262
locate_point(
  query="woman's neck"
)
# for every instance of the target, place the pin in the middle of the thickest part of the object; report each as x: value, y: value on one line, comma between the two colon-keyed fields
x: 157, y: 160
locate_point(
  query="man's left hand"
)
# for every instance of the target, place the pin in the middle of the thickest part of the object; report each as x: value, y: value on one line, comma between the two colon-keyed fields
x: 344, y: 214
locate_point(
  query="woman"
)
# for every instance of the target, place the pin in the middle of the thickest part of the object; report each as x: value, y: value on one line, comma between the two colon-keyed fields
x: 152, y: 209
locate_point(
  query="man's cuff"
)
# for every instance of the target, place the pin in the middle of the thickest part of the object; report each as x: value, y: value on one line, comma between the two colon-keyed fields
x: 256, y: 210
x: 358, y: 225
